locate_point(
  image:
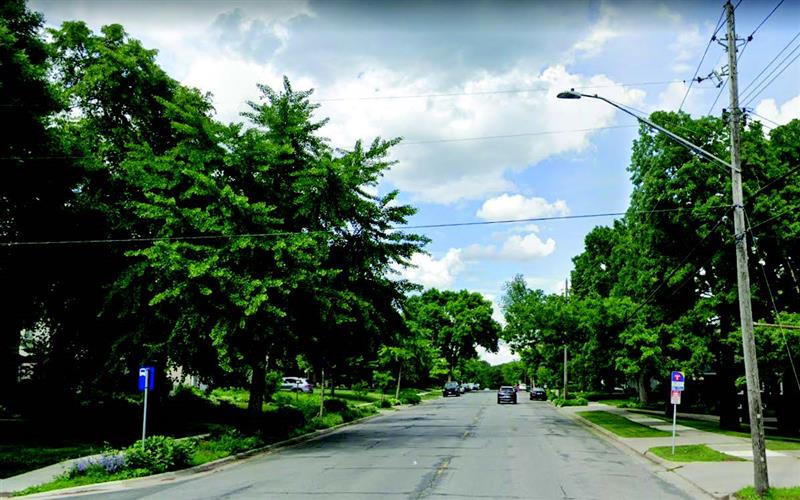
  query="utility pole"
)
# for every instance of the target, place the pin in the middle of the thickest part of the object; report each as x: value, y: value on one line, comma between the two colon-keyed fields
x: 565, y: 372
x: 761, y: 482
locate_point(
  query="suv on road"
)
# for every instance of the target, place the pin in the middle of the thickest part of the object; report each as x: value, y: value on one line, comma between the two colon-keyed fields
x: 538, y: 393
x: 451, y: 389
x: 296, y: 384
x: 506, y: 394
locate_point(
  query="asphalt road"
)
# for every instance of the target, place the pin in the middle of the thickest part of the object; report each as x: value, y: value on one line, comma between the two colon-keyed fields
x: 467, y: 447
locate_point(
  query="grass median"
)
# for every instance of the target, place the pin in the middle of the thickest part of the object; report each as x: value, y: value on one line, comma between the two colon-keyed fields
x: 775, y: 442
x: 749, y: 493
x: 693, y: 453
x: 621, y: 426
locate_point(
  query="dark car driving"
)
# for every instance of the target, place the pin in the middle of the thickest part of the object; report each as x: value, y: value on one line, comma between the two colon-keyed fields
x: 538, y: 393
x: 506, y: 394
x: 451, y: 389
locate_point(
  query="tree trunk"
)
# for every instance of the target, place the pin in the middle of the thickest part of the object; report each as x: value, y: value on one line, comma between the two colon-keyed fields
x: 257, y: 388
x: 641, y: 385
x: 9, y: 363
x: 399, y: 375
x: 726, y: 378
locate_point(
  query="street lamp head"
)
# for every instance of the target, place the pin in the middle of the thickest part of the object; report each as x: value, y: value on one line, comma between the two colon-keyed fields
x: 569, y: 94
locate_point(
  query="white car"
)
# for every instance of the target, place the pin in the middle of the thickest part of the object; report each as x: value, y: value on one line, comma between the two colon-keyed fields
x: 296, y: 384
x: 523, y: 387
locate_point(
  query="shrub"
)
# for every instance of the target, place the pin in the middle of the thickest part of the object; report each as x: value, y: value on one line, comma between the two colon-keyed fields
x: 335, y: 405
x: 559, y: 401
x: 234, y: 441
x: 383, y: 403
x: 410, y: 397
x: 326, y: 421
x: 280, y: 423
x: 109, y: 462
x: 159, y: 454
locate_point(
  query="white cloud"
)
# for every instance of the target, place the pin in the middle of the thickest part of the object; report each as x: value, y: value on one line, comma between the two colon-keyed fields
x: 497, y: 312
x: 548, y: 285
x: 432, y: 273
x: 783, y: 114
x: 467, y: 170
x: 506, y: 207
x: 503, y: 355
x: 600, y: 33
x: 515, y: 248
x: 686, y: 46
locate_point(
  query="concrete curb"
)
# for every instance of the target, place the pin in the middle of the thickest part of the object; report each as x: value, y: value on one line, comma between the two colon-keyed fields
x: 666, y: 464
x: 199, y: 469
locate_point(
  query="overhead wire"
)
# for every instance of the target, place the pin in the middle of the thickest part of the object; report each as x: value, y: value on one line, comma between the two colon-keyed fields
x: 754, y: 96
x: 290, y: 233
x: 746, y: 92
x: 774, y: 305
x: 484, y: 92
x: 705, y: 52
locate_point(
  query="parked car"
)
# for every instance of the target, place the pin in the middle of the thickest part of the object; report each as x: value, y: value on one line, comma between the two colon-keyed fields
x: 296, y: 384
x: 523, y: 387
x: 462, y: 389
x: 538, y: 393
x: 506, y: 394
x: 451, y: 389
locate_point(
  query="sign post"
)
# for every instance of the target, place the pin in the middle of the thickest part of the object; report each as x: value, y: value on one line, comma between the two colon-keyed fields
x: 677, y: 381
x: 145, y: 384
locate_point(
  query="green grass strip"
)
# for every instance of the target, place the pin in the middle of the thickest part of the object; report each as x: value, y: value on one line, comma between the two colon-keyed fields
x: 775, y: 443
x: 693, y: 453
x: 749, y: 493
x: 621, y: 426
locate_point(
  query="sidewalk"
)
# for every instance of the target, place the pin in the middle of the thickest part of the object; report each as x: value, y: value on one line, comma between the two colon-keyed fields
x: 719, y: 479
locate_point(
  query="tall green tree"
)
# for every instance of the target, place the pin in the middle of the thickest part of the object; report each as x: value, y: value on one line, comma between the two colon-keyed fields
x: 455, y: 322
x: 36, y: 181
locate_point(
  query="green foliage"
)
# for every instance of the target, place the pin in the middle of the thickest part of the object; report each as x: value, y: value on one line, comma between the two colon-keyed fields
x: 409, y: 397
x: 774, y: 493
x: 159, y: 454
x: 452, y: 324
x: 334, y: 405
x: 692, y: 453
x: 559, y: 401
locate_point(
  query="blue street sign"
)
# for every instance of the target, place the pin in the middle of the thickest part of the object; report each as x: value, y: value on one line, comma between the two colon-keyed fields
x: 148, y: 373
x: 677, y: 381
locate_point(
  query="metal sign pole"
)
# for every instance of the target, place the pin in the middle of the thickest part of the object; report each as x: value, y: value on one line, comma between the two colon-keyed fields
x: 144, y: 418
x: 674, y: 414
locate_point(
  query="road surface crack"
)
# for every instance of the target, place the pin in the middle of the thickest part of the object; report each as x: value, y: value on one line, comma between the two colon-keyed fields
x: 431, y: 479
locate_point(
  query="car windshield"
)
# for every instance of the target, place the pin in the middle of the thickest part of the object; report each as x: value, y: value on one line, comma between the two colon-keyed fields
x: 506, y: 389
x: 451, y: 385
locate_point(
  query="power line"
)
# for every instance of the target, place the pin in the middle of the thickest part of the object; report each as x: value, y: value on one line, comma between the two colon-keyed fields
x: 410, y: 143
x: 725, y: 84
x: 775, y: 309
x: 676, y: 268
x: 773, y: 181
x: 485, y: 92
x: 290, y: 233
x: 526, y: 134
x: 765, y: 19
x: 753, y: 98
x: 744, y: 91
x: 750, y: 111
x: 705, y: 52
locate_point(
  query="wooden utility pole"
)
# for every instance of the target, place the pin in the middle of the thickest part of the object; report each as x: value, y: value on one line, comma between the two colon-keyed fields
x: 565, y: 372
x: 761, y: 479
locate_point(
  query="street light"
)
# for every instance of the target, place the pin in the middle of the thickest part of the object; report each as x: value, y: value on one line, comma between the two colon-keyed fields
x: 743, y: 277
x: 571, y: 94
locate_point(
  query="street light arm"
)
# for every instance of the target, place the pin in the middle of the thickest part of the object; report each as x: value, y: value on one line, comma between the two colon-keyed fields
x: 674, y: 137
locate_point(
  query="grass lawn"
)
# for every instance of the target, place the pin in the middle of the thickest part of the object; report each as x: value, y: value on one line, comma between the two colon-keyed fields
x: 749, y: 493
x: 613, y: 402
x: 621, y: 426
x: 775, y: 443
x: 693, y: 453
x: 17, y: 458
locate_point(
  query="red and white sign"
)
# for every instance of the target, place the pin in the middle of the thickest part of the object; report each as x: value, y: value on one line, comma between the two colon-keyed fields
x: 675, y: 397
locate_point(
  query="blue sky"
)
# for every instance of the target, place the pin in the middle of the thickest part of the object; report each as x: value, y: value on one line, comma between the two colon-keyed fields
x: 375, y: 65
